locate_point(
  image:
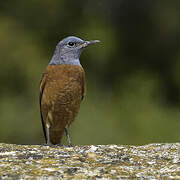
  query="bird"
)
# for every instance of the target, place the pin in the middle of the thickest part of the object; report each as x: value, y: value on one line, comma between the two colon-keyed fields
x: 62, y: 88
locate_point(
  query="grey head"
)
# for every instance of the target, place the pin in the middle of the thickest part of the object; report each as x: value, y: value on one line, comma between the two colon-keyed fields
x: 68, y: 50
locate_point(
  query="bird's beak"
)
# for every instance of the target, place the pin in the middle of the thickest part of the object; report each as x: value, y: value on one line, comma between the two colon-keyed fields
x: 87, y: 43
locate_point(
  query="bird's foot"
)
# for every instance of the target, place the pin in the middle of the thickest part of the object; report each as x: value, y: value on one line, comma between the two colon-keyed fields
x: 70, y: 145
x: 46, y: 144
x: 62, y: 145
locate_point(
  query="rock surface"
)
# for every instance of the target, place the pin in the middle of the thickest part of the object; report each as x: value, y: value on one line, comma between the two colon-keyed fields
x: 153, y: 161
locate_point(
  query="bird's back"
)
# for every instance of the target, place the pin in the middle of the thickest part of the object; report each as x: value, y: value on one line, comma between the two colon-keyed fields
x: 62, y: 88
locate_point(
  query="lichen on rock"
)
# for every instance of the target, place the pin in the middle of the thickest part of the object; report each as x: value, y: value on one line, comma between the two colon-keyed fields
x: 153, y: 161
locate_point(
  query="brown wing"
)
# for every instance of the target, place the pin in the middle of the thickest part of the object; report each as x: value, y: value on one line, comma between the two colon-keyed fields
x: 42, y: 86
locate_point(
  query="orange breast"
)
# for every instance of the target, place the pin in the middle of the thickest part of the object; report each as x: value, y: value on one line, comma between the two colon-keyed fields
x: 63, y: 89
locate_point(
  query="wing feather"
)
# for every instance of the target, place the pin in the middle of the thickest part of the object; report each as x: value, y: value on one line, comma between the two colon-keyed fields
x: 42, y: 86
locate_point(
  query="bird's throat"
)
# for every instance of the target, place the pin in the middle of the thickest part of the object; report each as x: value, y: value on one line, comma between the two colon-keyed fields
x: 60, y: 60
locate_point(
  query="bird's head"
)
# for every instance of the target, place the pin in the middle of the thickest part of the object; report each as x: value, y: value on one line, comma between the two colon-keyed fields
x: 69, y: 49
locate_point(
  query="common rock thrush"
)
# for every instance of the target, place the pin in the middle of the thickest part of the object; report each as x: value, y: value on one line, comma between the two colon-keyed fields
x: 62, y: 89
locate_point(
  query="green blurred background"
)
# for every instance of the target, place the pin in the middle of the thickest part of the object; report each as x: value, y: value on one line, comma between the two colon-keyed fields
x: 133, y: 75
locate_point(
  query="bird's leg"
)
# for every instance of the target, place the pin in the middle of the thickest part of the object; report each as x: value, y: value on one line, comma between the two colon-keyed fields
x: 47, y: 134
x: 68, y: 137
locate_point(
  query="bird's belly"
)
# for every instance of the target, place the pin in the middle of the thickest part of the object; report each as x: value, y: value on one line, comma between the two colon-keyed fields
x: 63, y: 102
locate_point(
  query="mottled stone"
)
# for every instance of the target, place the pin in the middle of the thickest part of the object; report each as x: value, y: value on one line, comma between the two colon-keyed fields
x: 153, y: 161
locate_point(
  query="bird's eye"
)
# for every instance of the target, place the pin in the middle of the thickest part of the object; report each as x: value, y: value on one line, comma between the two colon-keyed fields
x: 71, y: 44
